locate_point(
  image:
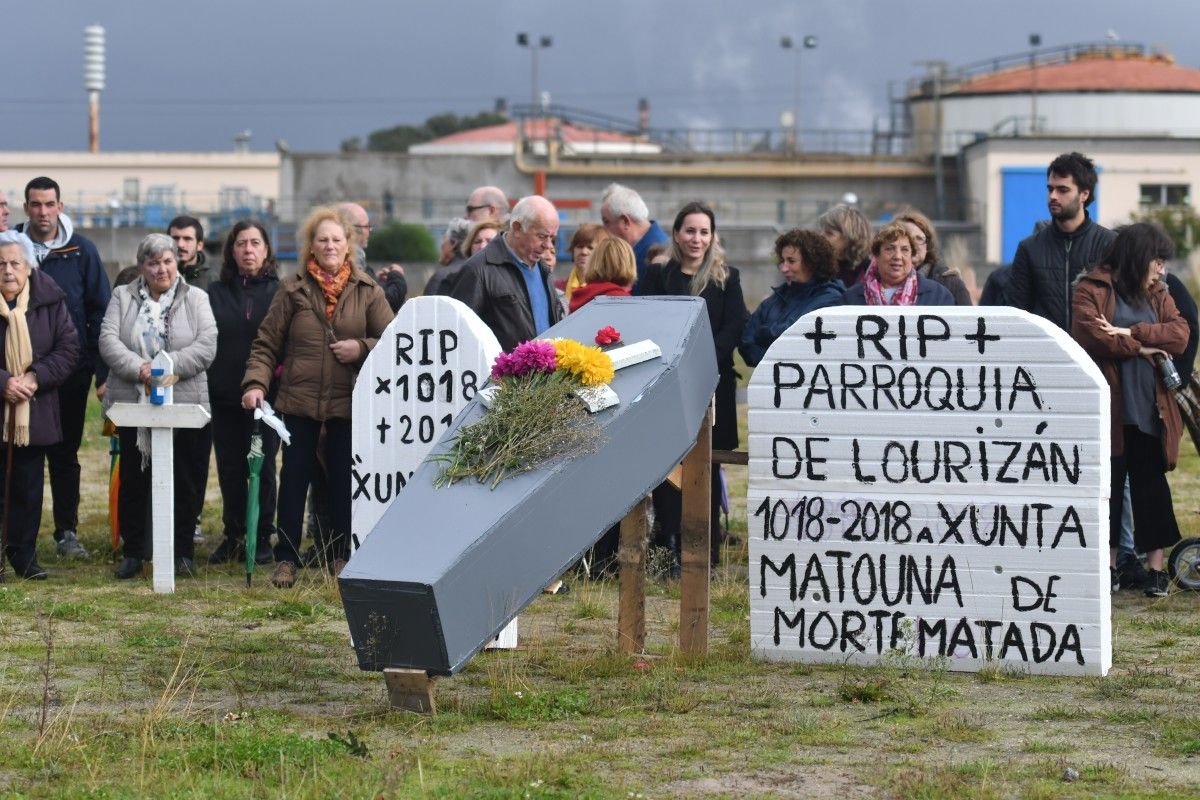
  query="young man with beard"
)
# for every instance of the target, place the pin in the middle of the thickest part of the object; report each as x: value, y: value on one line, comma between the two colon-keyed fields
x: 1047, y: 263
x: 188, y: 235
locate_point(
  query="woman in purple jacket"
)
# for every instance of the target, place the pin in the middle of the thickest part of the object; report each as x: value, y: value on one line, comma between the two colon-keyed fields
x: 39, y: 348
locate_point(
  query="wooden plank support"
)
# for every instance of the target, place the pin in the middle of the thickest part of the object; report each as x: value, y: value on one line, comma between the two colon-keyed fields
x: 739, y: 457
x: 695, y: 530
x: 631, y: 556
x: 410, y: 690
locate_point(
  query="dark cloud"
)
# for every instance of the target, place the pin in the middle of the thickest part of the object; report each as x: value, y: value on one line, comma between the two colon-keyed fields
x: 189, y: 76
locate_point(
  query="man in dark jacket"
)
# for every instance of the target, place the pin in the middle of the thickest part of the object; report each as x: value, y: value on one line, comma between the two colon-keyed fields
x: 506, y: 284
x: 1047, y: 263
x: 72, y: 261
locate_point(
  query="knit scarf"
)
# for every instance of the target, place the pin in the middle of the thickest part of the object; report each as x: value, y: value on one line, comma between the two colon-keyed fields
x: 905, y: 295
x: 331, y: 285
x: 18, y: 355
x: 152, y: 335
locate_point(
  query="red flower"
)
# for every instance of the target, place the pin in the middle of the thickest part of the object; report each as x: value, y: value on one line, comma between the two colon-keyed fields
x: 607, y: 335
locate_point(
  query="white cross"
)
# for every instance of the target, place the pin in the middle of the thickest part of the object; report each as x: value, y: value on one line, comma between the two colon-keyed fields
x: 161, y: 420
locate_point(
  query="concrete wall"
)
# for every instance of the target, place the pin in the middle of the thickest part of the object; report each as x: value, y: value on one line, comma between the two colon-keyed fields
x: 432, y: 189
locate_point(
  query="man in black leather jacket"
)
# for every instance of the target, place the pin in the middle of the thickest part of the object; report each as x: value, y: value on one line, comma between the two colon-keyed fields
x: 1047, y: 263
x: 507, y: 284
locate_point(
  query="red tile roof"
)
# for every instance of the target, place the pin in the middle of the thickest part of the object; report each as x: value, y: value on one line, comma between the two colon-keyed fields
x: 534, y: 129
x: 1097, y: 73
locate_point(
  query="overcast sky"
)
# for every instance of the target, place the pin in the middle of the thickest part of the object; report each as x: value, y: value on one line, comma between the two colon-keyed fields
x: 188, y: 76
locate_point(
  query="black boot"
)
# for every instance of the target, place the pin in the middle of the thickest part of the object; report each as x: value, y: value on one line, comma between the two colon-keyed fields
x: 228, y: 550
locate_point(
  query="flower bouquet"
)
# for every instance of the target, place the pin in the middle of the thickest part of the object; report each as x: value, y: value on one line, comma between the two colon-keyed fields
x: 534, y: 415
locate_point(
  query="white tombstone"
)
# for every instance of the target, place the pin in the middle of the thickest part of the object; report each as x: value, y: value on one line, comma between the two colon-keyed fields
x: 430, y: 362
x: 933, y: 482
x: 161, y: 419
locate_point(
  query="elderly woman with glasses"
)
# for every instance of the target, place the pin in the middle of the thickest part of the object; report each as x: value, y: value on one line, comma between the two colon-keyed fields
x: 159, y: 313
x: 40, y: 348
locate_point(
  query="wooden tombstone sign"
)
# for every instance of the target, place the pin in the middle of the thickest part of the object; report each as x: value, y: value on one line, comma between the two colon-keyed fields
x: 931, y: 482
x: 429, y: 363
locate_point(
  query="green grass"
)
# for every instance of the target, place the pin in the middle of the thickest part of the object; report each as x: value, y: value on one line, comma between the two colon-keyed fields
x: 220, y: 691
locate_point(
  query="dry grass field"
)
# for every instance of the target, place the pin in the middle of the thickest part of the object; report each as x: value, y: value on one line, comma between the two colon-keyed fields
x: 107, y: 690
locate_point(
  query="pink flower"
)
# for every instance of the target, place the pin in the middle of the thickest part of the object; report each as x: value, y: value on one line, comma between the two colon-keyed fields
x: 532, y: 356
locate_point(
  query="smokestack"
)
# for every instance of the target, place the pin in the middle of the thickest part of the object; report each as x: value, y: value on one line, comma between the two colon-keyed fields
x: 643, y: 114
x: 93, y: 80
x: 501, y: 106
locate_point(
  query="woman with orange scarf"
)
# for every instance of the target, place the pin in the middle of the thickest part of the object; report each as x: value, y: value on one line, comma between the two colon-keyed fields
x: 321, y: 325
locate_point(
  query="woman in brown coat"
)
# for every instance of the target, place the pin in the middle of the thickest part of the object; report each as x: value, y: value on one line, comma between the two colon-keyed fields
x: 321, y: 324
x: 1122, y: 314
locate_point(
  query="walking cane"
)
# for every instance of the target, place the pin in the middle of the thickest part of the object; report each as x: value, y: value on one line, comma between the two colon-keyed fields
x: 12, y: 432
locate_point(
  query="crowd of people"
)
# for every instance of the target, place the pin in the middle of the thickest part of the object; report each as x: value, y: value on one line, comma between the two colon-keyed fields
x: 240, y: 335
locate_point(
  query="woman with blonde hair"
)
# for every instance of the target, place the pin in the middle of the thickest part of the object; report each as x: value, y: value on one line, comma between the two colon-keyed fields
x: 610, y: 270
x: 322, y: 323
x: 926, y: 255
x: 697, y: 268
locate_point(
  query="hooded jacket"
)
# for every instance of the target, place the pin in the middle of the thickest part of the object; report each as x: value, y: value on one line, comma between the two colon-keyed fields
x: 1095, y: 294
x: 786, y: 304
x: 72, y: 261
x: 201, y: 274
x: 55, y: 351
x: 296, y: 333
x: 1047, y: 264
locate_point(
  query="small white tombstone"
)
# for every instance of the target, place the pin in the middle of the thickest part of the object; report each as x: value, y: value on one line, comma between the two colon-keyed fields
x: 931, y: 482
x: 161, y: 418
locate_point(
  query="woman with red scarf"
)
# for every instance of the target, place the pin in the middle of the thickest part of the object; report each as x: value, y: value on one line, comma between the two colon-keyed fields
x: 891, y: 280
x: 321, y: 325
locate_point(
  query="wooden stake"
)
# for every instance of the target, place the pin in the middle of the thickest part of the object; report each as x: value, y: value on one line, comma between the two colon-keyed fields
x: 631, y: 556
x: 695, y: 530
x: 410, y: 689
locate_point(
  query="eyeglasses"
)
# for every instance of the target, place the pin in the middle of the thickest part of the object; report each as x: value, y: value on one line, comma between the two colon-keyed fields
x: 472, y: 209
x: 15, y: 266
x: 368, y: 227
x: 545, y: 238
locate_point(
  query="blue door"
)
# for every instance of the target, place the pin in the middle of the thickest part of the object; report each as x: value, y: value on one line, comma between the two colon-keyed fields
x: 1024, y: 205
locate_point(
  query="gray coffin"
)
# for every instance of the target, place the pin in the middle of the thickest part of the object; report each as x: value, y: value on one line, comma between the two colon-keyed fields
x: 445, y: 569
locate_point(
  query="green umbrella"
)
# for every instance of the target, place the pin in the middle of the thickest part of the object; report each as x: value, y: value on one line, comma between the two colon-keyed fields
x: 254, y: 459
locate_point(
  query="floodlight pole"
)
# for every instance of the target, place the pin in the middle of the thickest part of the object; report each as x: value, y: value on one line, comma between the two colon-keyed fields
x: 542, y: 42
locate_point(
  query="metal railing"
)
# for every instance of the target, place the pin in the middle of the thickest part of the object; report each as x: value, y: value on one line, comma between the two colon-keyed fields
x: 1041, y: 57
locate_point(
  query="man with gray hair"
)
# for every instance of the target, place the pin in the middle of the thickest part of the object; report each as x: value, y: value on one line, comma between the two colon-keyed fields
x: 507, y: 284
x: 3, y: 212
x: 451, y: 258
x: 487, y: 202
x: 625, y: 216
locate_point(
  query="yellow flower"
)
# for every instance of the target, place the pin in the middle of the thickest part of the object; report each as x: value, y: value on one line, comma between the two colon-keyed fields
x: 589, y: 365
